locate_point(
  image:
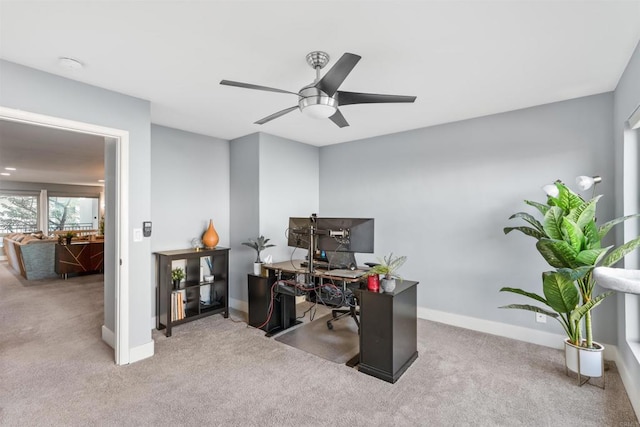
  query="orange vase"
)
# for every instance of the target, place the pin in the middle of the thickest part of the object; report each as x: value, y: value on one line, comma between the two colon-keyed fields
x: 210, y: 238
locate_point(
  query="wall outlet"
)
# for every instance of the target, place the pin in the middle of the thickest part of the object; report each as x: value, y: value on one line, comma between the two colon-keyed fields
x: 541, y: 318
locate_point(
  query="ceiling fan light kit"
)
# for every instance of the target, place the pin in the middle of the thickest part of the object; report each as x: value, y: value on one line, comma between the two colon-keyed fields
x: 322, y: 98
x: 317, y: 104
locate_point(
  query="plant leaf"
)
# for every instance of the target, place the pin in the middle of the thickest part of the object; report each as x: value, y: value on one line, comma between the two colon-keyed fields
x: 620, y: 252
x: 591, y: 256
x: 542, y: 208
x: 557, y: 253
x: 574, y: 274
x: 531, y: 308
x: 586, y: 212
x: 528, y: 218
x: 579, y: 313
x: 526, y: 230
x: 591, y: 235
x: 553, y: 223
x: 604, y: 228
x: 561, y: 293
x: 525, y: 293
x: 572, y: 234
x: 567, y: 199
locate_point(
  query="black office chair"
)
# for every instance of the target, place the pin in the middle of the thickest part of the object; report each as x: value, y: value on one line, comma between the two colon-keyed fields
x: 338, y: 313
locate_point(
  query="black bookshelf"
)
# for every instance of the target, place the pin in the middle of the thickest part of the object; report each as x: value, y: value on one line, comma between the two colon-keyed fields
x: 170, y: 311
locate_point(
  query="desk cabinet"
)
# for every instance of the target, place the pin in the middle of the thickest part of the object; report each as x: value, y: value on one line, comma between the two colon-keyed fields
x: 388, y: 331
x: 192, y: 306
x: 80, y: 257
x: 283, y: 312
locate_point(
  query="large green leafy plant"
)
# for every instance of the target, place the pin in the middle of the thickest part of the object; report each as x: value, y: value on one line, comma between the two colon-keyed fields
x: 569, y: 239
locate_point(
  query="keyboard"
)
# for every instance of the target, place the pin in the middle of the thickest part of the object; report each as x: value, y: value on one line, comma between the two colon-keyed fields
x: 349, y: 274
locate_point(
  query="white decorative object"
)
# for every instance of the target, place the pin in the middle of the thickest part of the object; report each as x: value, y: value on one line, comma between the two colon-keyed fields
x: 584, y: 361
x: 257, y: 268
x: 618, y: 279
x: 205, y: 294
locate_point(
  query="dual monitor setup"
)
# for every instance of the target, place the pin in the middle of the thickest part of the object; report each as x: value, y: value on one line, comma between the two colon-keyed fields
x: 331, y: 242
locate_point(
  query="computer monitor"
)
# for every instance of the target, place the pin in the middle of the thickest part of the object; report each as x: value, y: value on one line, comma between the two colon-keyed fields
x: 358, y: 234
x: 298, y: 232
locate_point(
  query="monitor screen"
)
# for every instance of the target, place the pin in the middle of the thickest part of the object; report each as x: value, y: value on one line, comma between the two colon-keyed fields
x: 298, y: 232
x: 359, y: 234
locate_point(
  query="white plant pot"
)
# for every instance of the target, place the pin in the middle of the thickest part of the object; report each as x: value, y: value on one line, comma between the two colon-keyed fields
x: 257, y: 268
x: 388, y: 285
x: 584, y: 361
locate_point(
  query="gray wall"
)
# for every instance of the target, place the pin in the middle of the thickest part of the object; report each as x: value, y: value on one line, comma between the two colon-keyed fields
x: 626, y: 100
x: 189, y: 186
x: 245, y: 211
x: 272, y: 178
x: 442, y: 195
x: 38, y: 92
x: 289, y: 186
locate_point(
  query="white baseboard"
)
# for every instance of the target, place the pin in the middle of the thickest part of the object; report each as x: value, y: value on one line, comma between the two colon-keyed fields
x: 136, y: 353
x: 108, y: 336
x: 520, y: 333
x: 140, y: 352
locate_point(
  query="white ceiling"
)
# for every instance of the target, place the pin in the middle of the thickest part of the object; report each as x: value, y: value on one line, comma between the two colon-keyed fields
x: 462, y: 59
x: 49, y: 155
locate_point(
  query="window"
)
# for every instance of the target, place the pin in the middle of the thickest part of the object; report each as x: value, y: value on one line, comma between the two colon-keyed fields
x: 73, y: 213
x: 18, y: 214
x: 632, y: 228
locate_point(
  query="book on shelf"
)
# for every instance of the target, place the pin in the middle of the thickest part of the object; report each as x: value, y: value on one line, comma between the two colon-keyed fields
x: 177, y: 306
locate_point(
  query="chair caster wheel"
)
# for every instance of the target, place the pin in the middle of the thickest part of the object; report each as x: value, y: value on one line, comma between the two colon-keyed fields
x: 329, y: 325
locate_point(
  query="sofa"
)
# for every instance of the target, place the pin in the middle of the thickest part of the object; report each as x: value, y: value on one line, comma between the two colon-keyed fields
x: 31, y: 254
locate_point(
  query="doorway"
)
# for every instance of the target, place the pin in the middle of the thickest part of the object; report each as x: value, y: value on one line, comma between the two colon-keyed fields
x: 115, y: 330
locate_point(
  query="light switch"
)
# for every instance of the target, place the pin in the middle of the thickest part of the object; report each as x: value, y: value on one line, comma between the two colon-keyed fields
x: 137, y: 234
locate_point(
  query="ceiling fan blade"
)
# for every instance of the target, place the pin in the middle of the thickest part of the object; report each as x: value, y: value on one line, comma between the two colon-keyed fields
x: 332, y: 80
x: 348, y: 98
x: 250, y: 86
x: 276, y: 115
x: 339, y: 119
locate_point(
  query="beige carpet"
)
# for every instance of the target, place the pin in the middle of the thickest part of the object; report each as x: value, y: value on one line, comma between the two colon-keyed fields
x: 55, y: 371
x: 338, y: 345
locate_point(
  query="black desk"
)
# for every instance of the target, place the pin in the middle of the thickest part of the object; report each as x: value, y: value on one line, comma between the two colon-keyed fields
x: 388, y: 321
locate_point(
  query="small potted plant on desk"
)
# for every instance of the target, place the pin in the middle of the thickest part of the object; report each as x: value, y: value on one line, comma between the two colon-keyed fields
x: 177, y: 274
x: 258, y: 245
x: 387, y: 267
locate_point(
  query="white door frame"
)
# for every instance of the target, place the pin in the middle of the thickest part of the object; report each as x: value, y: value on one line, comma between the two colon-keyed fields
x: 121, y: 271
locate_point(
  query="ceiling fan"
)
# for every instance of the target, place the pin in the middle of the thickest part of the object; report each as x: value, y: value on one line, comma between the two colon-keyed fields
x: 322, y: 98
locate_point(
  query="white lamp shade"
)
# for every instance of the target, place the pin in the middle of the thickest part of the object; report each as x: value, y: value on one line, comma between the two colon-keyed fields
x: 319, y: 111
x: 586, y: 182
x: 551, y: 190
